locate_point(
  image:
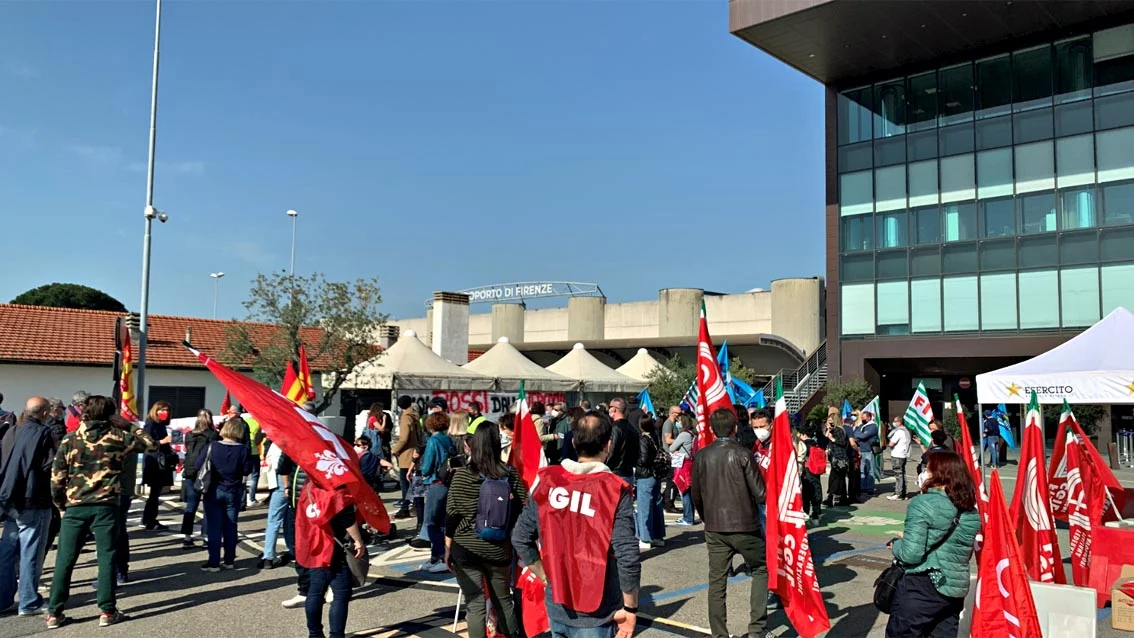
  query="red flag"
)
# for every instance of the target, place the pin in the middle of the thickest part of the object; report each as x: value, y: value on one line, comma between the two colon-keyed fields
x: 127, y: 406
x: 1070, y: 432
x: 292, y: 386
x: 1031, y: 510
x: 226, y: 404
x: 535, y: 603
x: 791, y: 568
x: 1003, y: 605
x: 971, y: 456
x: 327, y: 459
x: 1086, y: 500
x: 305, y: 374
x: 527, y: 451
x: 711, y: 392
x: 314, y: 541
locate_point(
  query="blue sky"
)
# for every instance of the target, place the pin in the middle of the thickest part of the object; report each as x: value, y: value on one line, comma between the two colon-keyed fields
x: 438, y: 145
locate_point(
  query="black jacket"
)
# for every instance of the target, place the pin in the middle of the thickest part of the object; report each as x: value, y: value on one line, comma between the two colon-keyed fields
x: 623, y: 449
x: 727, y: 487
x: 647, y: 452
x: 28, y: 451
x: 195, y: 444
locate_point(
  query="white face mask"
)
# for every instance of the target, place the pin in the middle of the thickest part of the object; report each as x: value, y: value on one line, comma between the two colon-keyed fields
x: 763, y: 434
x: 555, y: 414
x: 359, y: 449
x: 505, y: 439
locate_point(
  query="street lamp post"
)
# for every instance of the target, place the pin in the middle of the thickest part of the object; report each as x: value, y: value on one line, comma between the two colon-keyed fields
x: 150, y: 213
x: 216, y: 290
x: 292, y: 214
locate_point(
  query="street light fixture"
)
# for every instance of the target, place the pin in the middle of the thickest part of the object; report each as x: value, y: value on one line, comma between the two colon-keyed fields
x: 150, y: 213
x: 292, y: 214
x: 216, y: 290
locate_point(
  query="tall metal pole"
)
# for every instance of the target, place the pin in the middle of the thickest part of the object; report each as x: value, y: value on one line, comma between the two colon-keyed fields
x: 150, y: 213
x: 293, y: 215
x: 216, y: 294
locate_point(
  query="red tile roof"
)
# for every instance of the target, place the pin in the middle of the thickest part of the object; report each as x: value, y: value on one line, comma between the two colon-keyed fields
x: 34, y: 334
x: 475, y: 354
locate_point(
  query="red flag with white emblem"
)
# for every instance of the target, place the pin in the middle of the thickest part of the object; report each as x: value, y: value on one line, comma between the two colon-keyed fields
x: 314, y: 540
x: 1070, y: 432
x: 1031, y: 509
x: 1085, y: 502
x: 711, y: 392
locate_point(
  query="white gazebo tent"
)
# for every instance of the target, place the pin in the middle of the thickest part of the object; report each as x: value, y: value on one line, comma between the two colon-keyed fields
x: 509, y: 367
x: 640, y: 365
x: 596, y: 376
x: 410, y: 365
x: 1096, y: 366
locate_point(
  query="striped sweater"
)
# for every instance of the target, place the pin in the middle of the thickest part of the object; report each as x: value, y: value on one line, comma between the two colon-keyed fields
x: 460, y: 519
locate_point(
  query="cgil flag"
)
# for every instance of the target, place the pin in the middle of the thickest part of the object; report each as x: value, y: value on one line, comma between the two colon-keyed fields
x: 1030, y: 512
x: 919, y: 414
x: 305, y: 374
x: 527, y: 451
x: 711, y: 392
x: 1084, y: 502
x: 1069, y: 432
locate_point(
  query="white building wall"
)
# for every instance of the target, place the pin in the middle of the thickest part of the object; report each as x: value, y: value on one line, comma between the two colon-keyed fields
x: 743, y: 314
x: 549, y: 324
x: 633, y: 320
x: 480, y: 328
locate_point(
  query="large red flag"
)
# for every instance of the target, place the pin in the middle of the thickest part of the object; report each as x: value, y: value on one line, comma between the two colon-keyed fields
x: 791, y: 568
x: 527, y: 451
x: 226, y: 404
x: 314, y: 542
x: 1031, y: 511
x: 971, y: 456
x: 711, y: 392
x: 326, y: 459
x: 305, y: 374
x: 1086, y: 498
x: 1070, y: 432
x: 1003, y: 606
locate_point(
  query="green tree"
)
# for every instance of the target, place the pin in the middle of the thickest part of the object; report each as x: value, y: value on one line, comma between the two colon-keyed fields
x: 856, y: 390
x: 346, y: 312
x: 818, y: 414
x: 669, y: 383
x: 69, y: 296
x: 953, y: 425
x: 1087, y: 415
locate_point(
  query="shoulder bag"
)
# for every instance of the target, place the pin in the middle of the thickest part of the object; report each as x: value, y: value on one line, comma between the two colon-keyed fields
x: 204, y: 478
x: 887, y: 583
x: 359, y: 567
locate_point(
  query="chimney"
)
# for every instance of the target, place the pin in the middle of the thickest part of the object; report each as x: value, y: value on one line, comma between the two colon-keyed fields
x: 388, y: 335
x: 451, y: 326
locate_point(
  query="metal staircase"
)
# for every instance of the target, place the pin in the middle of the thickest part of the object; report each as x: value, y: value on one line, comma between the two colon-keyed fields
x: 803, y: 382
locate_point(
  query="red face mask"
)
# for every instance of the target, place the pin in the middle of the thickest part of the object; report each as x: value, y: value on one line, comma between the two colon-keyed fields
x: 163, y: 414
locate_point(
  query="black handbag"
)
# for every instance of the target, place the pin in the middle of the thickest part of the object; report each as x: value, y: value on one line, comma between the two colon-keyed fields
x: 359, y: 567
x: 204, y: 478
x: 886, y: 584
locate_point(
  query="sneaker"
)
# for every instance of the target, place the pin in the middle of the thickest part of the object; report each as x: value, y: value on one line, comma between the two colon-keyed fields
x: 657, y: 543
x: 278, y: 561
x: 228, y: 566
x: 644, y: 546
x: 55, y: 621
x: 434, y: 567
x: 210, y: 567
x: 814, y: 521
x: 419, y: 543
x: 260, y: 563
x: 402, y: 514
x: 295, y: 602
x: 683, y: 523
x: 156, y: 527
x: 121, y: 579
x: 893, y: 497
x: 39, y: 609
x: 187, y: 543
x: 106, y: 620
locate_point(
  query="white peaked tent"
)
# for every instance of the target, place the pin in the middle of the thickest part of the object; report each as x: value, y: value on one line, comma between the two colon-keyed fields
x: 640, y: 365
x: 410, y: 365
x: 1097, y: 366
x: 596, y: 377
x: 509, y: 367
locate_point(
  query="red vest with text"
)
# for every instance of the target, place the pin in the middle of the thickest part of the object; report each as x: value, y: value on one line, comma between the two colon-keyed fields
x: 576, y: 518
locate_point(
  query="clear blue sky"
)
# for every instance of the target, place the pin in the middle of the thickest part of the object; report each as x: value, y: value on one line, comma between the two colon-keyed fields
x: 438, y: 145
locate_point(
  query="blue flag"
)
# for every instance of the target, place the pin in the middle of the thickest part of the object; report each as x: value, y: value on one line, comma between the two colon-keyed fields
x: 646, y: 403
x: 726, y: 374
x: 1001, y: 414
x: 742, y: 392
x: 847, y: 409
x: 757, y: 399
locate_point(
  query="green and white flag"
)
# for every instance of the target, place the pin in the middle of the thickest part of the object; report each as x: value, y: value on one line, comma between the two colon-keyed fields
x: 873, y: 407
x: 919, y: 414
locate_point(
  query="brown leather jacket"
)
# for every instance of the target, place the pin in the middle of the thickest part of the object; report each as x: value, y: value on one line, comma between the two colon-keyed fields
x: 727, y: 487
x: 408, y: 429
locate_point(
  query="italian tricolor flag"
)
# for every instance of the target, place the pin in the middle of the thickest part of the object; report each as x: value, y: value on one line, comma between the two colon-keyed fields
x: 527, y: 452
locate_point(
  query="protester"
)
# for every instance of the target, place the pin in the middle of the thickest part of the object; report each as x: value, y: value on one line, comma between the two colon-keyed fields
x: 838, y: 458
x: 898, y: 440
x: 745, y: 434
x: 75, y: 410
x: 935, y: 547
x: 255, y: 443
x: 623, y: 456
x: 56, y: 419
x: 277, y: 509
x: 330, y: 576
x: 867, y: 437
x: 158, y: 464
x: 811, y: 469
x: 458, y: 429
x: 231, y: 461
x: 434, y: 471
x: 25, y: 501
x: 854, y: 475
x: 369, y: 463
x: 7, y: 418
x: 991, y: 439
x: 506, y: 424
x: 557, y: 427
x: 727, y: 491
x: 485, y: 500
x: 566, y: 448
x: 196, y: 442
x: 681, y: 452
x: 648, y: 473
x: 669, y: 431
x: 405, y: 449
x: 476, y: 417
x: 590, y: 558
x: 378, y: 423
x: 86, y: 486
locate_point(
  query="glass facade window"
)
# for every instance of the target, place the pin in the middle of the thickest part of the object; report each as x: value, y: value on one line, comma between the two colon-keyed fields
x: 922, y: 94
x: 857, y: 309
x: 1039, y: 299
x: 1079, y: 296
x: 959, y: 258
x: 1036, y: 251
x: 925, y: 261
x: 958, y: 179
x: 1030, y: 126
x: 962, y: 313
x: 892, y: 231
x: 1073, y: 72
x: 1117, y: 287
x: 921, y: 146
x: 994, y: 86
x: 926, y: 226
x: 890, y: 109
x: 856, y: 157
x: 1032, y: 78
x: 1035, y: 167
x: 1074, y: 118
x: 959, y: 221
x: 893, y: 264
x: 1079, y: 248
x: 1115, y: 151
x: 1118, y: 203
x: 1075, y: 161
x: 994, y: 173
x: 1077, y: 206
x: 856, y: 193
x: 893, y: 307
x: 994, y: 133
x: 925, y: 305
x: 998, y: 255
x: 1114, y: 111
x: 955, y: 94
x: 998, y: 217
x: 1113, y: 55
x: 854, y: 116
x: 1037, y: 213
x: 923, y: 183
x: 856, y: 267
x: 998, y: 301
x: 956, y: 139
x: 1115, y: 243
x: 858, y: 233
x: 890, y: 188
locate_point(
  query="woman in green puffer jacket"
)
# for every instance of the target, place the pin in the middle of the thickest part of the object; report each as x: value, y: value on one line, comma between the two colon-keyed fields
x: 931, y: 595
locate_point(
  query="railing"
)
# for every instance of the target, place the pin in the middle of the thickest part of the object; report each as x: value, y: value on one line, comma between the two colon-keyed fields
x: 803, y: 382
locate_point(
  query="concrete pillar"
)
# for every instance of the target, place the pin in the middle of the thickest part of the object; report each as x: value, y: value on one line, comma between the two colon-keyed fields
x: 586, y: 318
x: 796, y: 313
x: 451, y: 326
x: 508, y: 321
x: 679, y: 311
x: 388, y: 335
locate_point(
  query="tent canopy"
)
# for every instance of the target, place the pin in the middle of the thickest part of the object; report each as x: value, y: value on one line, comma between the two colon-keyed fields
x: 640, y: 365
x: 596, y: 377
x: 410, y: 365
x: 509, y: 366
x: 1096, y: 366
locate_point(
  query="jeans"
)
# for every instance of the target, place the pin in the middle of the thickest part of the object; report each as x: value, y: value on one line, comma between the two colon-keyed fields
x: 23, y: 544
x: 992, y: 443
x: 277, y: 505
x: 722, y: 548
x: 866, y: 472
x: 221, y: 511
x: 339, y: 582
x: 192, y: 499
x: 150, y: 512
x: 403, y: 481
x: 436, y: 496
x: 919, y: 610
x: 78, y: 520
x: 687, y: 513
x: 899, y: 467
x: 563, y: 631
x: 254, y: 480
x: 651, y: 521
x: 472, y: 579
x: 762, y: 514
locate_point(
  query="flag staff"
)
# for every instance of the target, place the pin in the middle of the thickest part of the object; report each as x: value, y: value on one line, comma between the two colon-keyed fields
x: 980, y: 427
x: 150, y: 213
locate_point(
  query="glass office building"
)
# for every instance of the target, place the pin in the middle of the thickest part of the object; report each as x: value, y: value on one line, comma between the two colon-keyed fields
x: 993, y: 195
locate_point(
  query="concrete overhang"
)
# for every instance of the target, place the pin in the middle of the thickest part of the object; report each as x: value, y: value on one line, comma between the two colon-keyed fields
x: 837, y: 41
x: 659, y: 343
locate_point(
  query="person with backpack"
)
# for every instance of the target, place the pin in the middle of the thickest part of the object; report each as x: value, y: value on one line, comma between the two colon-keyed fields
x: 811, y: 472
x: 435, y: 475
x: 839, y: 458
x: 204, y: 433
x: 484, y: 501
x: 653, y: 464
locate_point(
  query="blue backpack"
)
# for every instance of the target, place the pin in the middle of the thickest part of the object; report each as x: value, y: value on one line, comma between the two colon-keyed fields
x: 494, y: 509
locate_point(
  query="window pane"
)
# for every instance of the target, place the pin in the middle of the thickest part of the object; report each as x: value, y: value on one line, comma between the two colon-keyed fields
x: 1079, y: 248
x: 1117, y: 287
x: 923, y: 183
x: 1078, y: 208
x: 1075, y: 161
x: 921, y: 145
x: 857, y: 267
x: 998, y: 302
x: 1077, y: 117
x: 856, y: 193
x: 1039, y: 299
x: 1037, y: 251
x: 955, y: 103
x: 957, y: 179
x: 922, y: 98
x: 857, y: 309
x: 858, y: 233
x: 893, y: 307
x: 1032, y: 75
x: 856, y: 157
x: 994, y: 173
x: 1079, y: 296
x: 998, y: 255
x: 892, y: 264
x: 890, y: 188
x: 854, y: 116
x: 1073, y: 70
x: 891, y: 230
x: 925, y: 305
x: 1035, y: 167
x: 890, y: 109
x: 999, y: 217
x: 1030, y: 126
x: 959, y: 258
x: 960, y: 221
x: 1037, y: 213
x: 994, y: 133
x: 956, y: 139
x: 961, y: 311
x: 1115, y: 154
x: 1114, y: 111
x: 1113, y: 53
x: 925, y: 261
x: 1118, y: 202
x: 1115, y: 243
x: 889, y: 151
x: 994, y: 86
x: 927, y: 226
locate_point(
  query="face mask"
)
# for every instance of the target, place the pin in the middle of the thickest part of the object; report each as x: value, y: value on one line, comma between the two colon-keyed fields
x: 505, y: 439
x: 163, y: 414
x: 763, y: 434
x: 359, y: 449
x: 897, y: 424
x: 555, y: 414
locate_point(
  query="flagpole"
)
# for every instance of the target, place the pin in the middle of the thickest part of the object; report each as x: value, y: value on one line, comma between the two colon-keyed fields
x: 980, y: 428
x: 150, y: 214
